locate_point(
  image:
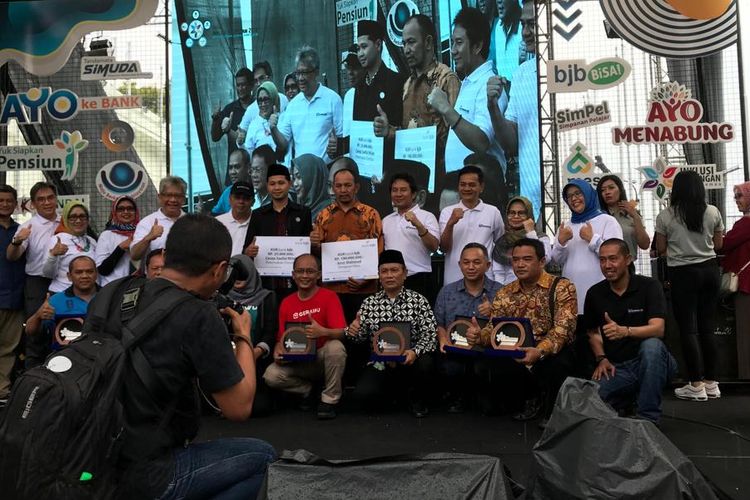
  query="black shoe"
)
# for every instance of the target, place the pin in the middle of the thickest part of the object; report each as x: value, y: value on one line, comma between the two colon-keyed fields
x: 419, y: 409
x: 308, y: 402
x: 531, y: 410
x: 326, y: 411
x: 456, y: 406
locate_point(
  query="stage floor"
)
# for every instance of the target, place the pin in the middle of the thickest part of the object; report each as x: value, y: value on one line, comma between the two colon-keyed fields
x: 714, y: 435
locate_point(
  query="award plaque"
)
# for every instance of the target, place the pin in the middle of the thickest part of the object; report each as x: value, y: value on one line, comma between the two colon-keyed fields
x: 457, y: 336
x: 390, y: 342
x: 67, y: 330
x: 295, y: 344
x: 509, y: 335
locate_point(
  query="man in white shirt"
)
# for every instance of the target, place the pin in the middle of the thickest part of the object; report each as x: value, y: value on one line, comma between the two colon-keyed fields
x: 469, y: 221
x: 236, y: 220
x: 412, y: 231
x: 152, y: 231
x: 469, y: 120
x: 31, y: 239
x: 313, y: 116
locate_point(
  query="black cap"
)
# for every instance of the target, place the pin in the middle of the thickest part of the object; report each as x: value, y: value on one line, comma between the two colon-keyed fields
x: 351, y: 58
x: 278, y: 169
x: 242, y: 188
x: 391, y: 257
x: 372, y: 29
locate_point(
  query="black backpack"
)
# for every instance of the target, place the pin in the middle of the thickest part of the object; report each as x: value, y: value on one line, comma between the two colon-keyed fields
x: 59, y: 437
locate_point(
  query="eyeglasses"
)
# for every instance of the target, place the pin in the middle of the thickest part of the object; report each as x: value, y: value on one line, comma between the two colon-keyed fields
x: 308, y: 272
x: 126, y: 208
x: 304, y: 72
x: 291, y: 87
x: 78, y: 217
x: 519, y: 213
x: 575, y: 194
x: 263, y: 100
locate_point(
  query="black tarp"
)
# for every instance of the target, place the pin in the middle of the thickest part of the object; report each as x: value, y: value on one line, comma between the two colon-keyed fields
x: 300, y: 474
x: 587, y: 451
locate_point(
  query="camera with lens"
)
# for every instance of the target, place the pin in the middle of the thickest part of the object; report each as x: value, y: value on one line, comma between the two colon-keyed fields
x: 235, y: 272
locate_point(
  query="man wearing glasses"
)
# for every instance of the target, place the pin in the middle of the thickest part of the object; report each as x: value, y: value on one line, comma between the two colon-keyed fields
x: 313, y: 117
x: 322, y: 310
x: 152, y: 231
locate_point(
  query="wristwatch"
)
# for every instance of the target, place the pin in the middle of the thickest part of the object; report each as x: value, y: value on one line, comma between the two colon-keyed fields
x: 600, y: 357
x: 15, y: 242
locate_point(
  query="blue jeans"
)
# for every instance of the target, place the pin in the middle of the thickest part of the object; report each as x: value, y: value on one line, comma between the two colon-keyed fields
x: 220, y: 469
x: 642, y: 378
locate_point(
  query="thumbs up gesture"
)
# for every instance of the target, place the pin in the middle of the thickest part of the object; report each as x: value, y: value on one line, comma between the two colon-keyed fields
x: 355, y: 326
x: 380, y: 125
x: 473, y: 333
x: 252, y: 249
x: 316, y: 237
x: 156, y: 231
x: 273, y: 120
x: 59, y: 248
x: 438, y: 99
x: 564, y: 234
x: 23, y: 234
x: 586, y: 232
x: 226, y: 123
x: 612, y: 330
x: 332, y: 148
x: 46, y: 312
x: 313, y: 330
x: 485, y: 307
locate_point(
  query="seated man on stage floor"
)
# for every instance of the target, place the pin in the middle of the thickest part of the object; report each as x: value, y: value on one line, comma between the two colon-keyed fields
x: 322, y: 309
x: 550, y: 305
x: 381, y: 381
x: 467, y: 297
x: 624, y: 315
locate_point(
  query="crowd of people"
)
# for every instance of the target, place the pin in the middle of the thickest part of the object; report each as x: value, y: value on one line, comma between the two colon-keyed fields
x: 288, y: 176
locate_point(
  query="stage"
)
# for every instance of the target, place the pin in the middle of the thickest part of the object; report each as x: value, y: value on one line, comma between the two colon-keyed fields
x: 714, y: 435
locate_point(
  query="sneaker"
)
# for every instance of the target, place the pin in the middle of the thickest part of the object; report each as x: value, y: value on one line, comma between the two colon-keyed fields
x: 691, y: 393
x: 532, y: 408
x: 326, y: 411
x: 712, y: 390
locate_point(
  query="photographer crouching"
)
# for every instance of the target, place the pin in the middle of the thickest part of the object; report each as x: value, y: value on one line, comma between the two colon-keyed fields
x: 192, y: 343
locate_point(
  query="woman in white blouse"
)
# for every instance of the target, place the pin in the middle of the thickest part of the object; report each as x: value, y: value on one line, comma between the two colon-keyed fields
x: 72, y: 239
x: 259, y: 130
x: 113, y: 248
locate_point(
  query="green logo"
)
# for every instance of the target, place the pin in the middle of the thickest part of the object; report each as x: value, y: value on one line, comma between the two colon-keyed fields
x: 608, y: 72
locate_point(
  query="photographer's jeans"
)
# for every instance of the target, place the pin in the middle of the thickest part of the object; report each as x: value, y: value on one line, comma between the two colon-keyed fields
x: 220, y: 469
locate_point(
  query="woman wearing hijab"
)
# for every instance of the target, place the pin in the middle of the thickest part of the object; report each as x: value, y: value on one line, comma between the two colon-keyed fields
x: 291, y: 87
x: 72, y: 238
x: 519, y: 214
x: 259, y: 130
x: 576, y: 244
x: 262, y: 308
x: 736, y: 250
x: 113, y: 248
x: 689, y: 232
x: 309, y: 181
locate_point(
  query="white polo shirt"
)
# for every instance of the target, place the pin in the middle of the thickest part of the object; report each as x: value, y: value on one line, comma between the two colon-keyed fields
x: 399, y: 234
x: 309, y: 123
x: 348, y: 110
x: 481, y: 224
x: 107, y: 243
x: 237, y: 230
x: 35, y: 245
x: 145, y: 225
x: 471, y: 104
x: 57, y: 267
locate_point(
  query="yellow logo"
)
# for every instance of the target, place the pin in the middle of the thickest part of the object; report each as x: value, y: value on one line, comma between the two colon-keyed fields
x: 700, y: 9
